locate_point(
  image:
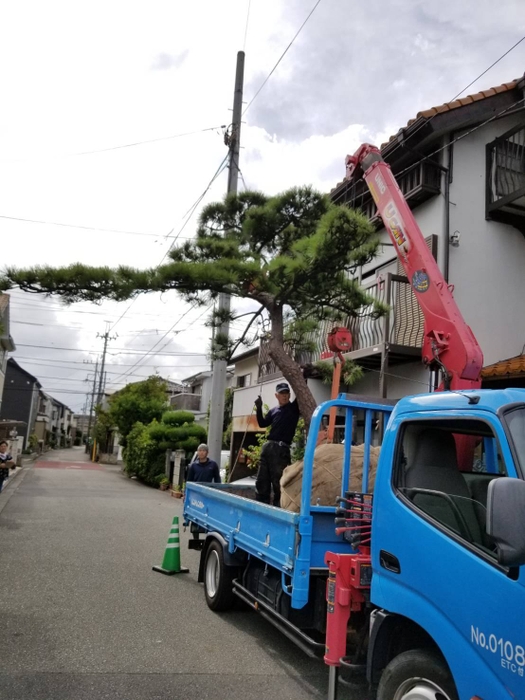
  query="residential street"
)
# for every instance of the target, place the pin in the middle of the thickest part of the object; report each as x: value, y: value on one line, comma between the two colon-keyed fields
x: 83, y: 615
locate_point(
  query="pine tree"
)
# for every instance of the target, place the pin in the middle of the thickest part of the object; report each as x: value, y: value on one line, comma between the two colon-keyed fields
x: 292, y: 254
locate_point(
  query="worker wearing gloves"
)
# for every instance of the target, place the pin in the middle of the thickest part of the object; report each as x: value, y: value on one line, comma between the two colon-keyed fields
x: 275, y: 453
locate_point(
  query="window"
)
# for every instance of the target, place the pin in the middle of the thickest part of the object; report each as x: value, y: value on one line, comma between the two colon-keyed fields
x: 444, y: 468
x: 516, y: 423
x: 244, y: 380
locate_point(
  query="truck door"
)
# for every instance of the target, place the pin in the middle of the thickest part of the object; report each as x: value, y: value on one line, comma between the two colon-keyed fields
x: 432, y: 560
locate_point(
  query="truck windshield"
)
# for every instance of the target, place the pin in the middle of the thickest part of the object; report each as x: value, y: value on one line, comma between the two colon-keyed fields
x: 515, y: 420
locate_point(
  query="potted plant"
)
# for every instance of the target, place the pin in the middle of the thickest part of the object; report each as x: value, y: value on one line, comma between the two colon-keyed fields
x: 164, y: 483
x: 177, y: 491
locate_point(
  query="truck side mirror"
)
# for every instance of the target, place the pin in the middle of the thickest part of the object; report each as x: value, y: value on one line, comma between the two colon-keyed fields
x: 506, y: 519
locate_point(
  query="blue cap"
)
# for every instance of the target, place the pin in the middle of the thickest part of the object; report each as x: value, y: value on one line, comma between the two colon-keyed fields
x: 282, y: 388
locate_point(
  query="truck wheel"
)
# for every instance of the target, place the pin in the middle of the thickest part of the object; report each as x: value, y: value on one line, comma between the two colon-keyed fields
x: 416, y: 675
x: 218, y: 579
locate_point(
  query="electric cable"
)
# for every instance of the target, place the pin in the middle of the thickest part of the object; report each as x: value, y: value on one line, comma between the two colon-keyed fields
x: 121, y: 351
x: 428, y: 121
x: 247, y: 22
x: 281, y: 58
x: 114, y: 148
x: 79, y: 226
x: 188, y: 216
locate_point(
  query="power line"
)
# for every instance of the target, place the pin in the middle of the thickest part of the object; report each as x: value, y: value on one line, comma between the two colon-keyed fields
x: 175, y: 238
x: 194, y: 206
x: 67, y: 309
x: 247, y: 22
x: 489, y: 68
x: 122, y: 351
x: 128, y: 372
x: 79, y: 226
x: 428, y: 121
x: 141, y: 143
x: 116, y: 148
x: 59, y: 363
x: 281, y: 58
x: 462, y: 136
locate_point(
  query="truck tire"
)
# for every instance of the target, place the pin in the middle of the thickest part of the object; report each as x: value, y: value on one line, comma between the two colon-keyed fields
x: 218, y: 579
x: 417, y: 674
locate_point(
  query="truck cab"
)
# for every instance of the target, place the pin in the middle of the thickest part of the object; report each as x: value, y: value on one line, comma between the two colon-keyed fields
x: 448, y: 538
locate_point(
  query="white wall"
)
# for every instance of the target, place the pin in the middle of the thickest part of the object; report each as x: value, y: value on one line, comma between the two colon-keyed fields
x: 250, y: 365
x: 403, y: 380
x: 430, y: 217
x: 488, y: 267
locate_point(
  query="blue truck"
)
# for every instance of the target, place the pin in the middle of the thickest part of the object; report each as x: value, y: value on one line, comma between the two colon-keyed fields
x: 443, y: 606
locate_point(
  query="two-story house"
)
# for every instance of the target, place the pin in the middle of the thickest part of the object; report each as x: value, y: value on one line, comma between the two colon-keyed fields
x: 195, y: 396
x: 44, y: 418
x: 6, y: 342
x: 461, y: 168
x: 20, y: 399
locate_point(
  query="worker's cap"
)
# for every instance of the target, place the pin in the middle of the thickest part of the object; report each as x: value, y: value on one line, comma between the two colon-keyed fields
x: 282, y: 388
x: 203, y: 447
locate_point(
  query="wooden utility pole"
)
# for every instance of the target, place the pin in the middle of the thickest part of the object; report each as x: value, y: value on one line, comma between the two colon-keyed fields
x: 101, y: 382
x: 218, y: 386
x: 92, y: 405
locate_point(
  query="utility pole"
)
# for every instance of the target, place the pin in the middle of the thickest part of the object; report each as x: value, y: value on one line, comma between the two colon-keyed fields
x: 101, y: 382
x: 218, y: 386
x: 91, y: 406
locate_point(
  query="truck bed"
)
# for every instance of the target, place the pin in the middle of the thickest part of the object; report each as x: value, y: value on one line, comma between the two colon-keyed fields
x: 290, y: 542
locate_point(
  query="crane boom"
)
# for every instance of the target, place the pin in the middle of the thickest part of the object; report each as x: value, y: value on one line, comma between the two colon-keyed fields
x: 449, y: 344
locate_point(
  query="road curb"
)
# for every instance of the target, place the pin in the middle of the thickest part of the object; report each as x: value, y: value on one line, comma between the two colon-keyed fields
x: 10, y: 489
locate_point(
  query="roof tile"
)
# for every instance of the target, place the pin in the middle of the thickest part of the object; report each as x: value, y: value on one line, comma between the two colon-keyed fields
x: 511, y: 367
x: 449, y: 106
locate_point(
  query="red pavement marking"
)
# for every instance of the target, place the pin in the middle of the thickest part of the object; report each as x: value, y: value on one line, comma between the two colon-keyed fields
x: 40, y: 464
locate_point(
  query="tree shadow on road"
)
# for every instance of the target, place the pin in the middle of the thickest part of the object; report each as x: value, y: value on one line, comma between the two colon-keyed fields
x: 311, y: 674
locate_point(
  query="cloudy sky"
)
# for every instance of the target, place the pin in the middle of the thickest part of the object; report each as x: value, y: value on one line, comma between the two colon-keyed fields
x: 110, y: 131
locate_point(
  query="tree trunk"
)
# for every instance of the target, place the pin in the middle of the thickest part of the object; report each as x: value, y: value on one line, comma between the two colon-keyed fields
x: 290, y: 369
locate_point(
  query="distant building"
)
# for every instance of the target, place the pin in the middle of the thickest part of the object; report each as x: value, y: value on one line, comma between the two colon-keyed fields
x: 82, y: 422
x: 6, y: 342
x: 20, y: 398
x: 196, y: 395
x: 44, y: 418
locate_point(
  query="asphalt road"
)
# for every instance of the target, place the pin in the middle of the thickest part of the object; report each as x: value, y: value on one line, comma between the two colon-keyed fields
x: 84, y: 616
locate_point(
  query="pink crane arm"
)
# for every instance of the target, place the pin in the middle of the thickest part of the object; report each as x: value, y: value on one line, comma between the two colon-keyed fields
x: 449, y: 343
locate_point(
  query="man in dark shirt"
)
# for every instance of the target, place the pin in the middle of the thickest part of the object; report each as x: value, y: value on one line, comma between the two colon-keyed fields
x: 275, y: 453
x: 6, y: 462
x: 203, y: 469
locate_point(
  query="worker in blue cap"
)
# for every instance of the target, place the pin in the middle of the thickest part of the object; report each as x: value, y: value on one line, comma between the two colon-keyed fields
x: 275, y: 453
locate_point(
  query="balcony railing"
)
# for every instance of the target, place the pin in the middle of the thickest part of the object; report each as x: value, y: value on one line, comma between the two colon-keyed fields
x: 505, y: 196
x: 400, y: 332
x: 186, y: 402
x: 417, y: 184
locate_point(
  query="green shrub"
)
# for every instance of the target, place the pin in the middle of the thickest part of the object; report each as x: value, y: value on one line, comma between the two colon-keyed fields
x: 33, y: 443
x: 145, y: 451
x: 142, y: 455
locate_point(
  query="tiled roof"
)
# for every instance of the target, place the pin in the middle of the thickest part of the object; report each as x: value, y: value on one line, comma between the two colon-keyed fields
x: 461, y: 102
x: 448, y: 107
x: 512, y: 367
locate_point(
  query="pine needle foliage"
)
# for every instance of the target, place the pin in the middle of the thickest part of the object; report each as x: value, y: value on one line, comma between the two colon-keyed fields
x: 291, y: 253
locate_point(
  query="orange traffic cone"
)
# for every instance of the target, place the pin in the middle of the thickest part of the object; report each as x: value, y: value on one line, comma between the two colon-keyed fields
x: 171, y: 562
